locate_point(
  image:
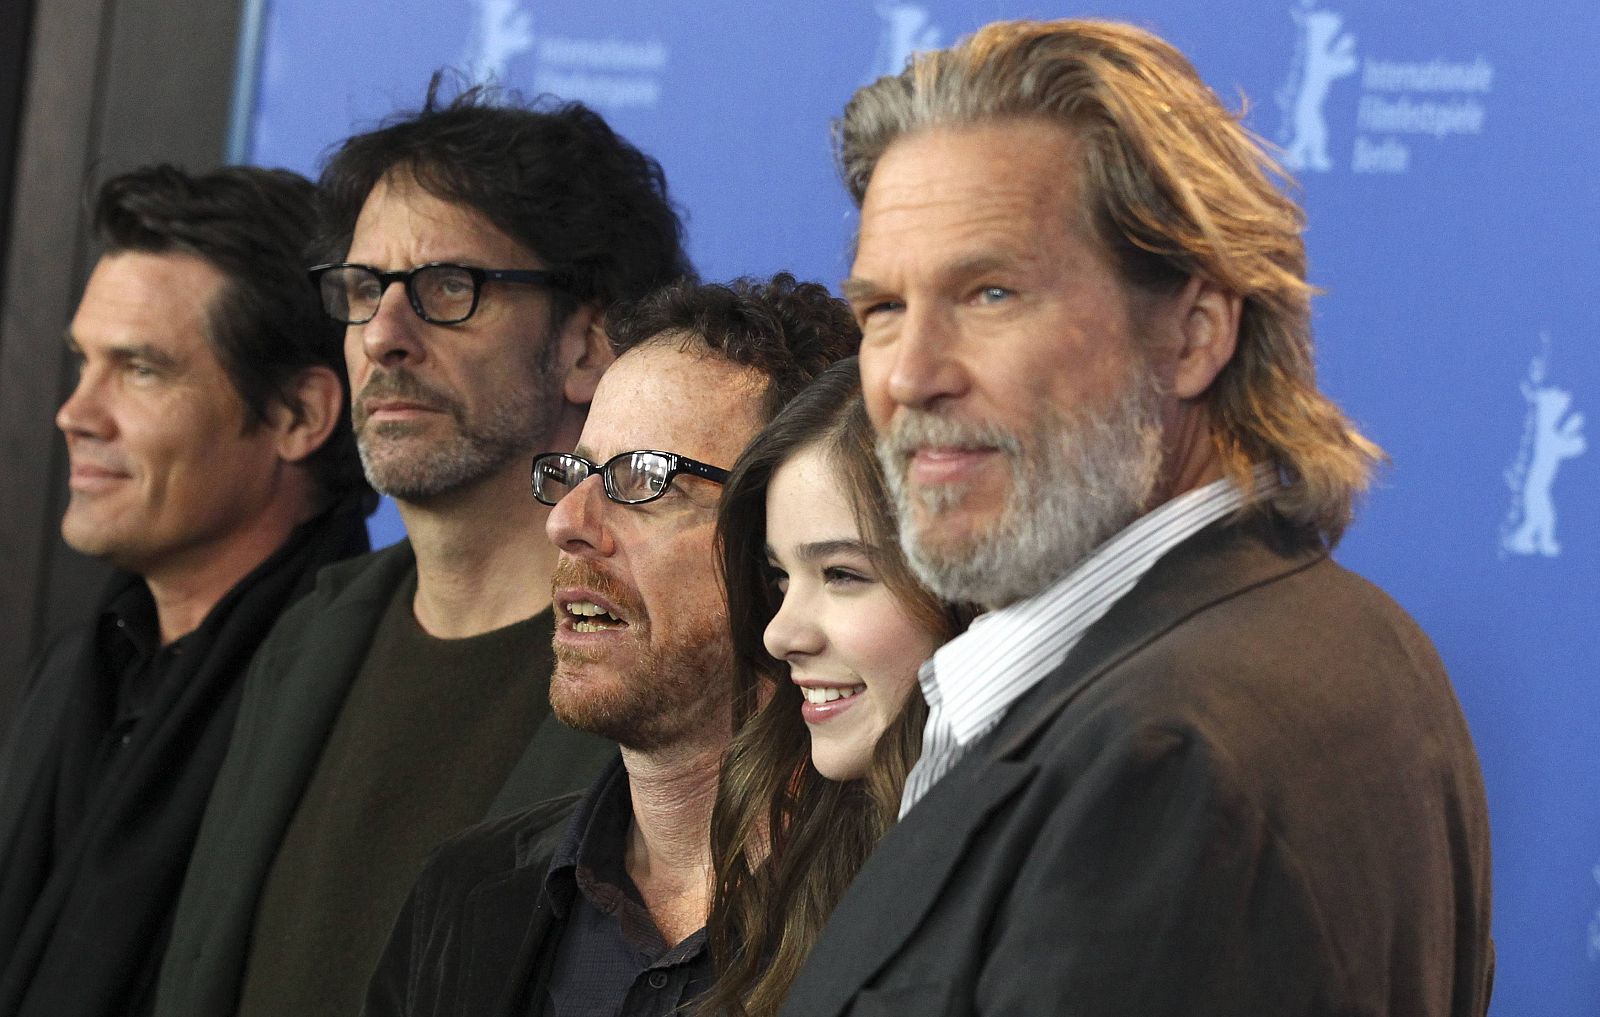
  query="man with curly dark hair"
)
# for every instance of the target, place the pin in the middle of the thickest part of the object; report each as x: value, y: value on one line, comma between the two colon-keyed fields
x: 472, y: 251
x: 604, y: 912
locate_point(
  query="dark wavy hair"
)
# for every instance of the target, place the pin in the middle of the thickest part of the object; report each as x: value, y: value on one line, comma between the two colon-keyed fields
x: 786, y: 329
x: 786, y: 841
x: 267, y: 324
x: 551, y: 175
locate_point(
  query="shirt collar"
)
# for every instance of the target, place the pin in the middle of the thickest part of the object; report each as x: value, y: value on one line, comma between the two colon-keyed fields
x: 972, y: 679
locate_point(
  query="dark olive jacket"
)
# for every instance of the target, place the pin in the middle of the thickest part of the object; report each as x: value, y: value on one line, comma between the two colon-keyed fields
x: 292, y: 699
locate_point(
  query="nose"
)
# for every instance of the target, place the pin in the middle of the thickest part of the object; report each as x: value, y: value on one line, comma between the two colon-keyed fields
x: 577, y: 523
x: 84, y: 412
x: 919, y: 367
x: 394, y: 335
x: 793, y: 633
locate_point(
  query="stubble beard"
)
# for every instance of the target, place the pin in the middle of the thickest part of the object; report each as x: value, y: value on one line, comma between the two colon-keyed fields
x: 662, y: 694
x: 401, y: 462
x: 1075, y: 483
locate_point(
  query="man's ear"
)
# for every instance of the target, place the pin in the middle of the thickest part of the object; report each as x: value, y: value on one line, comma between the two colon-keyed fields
x: 320, y: 397
x: 584, y: 355
x: 1207, y: 323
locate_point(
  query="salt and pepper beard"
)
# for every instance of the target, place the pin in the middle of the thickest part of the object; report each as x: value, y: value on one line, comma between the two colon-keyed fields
x: 1075, y: 482
x: 514, y: 426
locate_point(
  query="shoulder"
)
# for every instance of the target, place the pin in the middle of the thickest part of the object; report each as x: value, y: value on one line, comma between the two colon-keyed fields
x: 346, y: 594
x: 522, y: 840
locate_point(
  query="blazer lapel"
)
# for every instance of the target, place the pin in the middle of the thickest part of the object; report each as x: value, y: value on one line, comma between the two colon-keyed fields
x: 900, y: 882
x: 1217, y: 564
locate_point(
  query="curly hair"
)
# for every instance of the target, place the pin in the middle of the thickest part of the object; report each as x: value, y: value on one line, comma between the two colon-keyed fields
x: 551, y: 175
x: 785, y: 329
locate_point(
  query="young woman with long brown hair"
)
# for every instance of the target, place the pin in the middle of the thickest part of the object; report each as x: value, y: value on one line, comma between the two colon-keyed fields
x: 829, y: 629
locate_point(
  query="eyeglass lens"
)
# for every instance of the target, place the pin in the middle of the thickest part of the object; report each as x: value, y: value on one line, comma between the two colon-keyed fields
x: 631, y: 477
x: 441, y: 293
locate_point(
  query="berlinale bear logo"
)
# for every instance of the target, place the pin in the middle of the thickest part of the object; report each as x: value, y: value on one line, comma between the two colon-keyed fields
x: 906, y: 29
x: 1322, y: 56
x: 501, y: 30
x: 1550, y: 436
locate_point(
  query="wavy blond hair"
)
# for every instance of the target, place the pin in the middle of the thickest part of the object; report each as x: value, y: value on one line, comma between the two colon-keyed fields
x: 1175, y: 187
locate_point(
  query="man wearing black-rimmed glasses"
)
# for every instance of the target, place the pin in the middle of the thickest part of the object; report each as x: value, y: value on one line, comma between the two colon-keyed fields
x: 603, y: 913
x: 472, y: 251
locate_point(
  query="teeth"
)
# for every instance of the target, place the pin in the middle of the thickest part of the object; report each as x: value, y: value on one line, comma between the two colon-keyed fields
x: 591, y: 617
x: 829, y: 693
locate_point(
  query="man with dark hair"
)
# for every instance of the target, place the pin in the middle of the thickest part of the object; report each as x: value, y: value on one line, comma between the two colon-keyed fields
x: 474, y: 250
x: 212, y: 464
x: 1185, y: 763
x: 603, y: 912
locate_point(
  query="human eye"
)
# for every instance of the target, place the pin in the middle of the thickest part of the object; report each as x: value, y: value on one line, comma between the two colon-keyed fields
x: 841, y: 575
x: 455, y: 284
x: 777, y: 578
x: 141, y: 370
x: 992, y: 294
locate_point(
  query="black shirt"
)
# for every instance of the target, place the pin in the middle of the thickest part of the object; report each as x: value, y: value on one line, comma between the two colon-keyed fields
x: 611, y: 960
x: 134, y: 666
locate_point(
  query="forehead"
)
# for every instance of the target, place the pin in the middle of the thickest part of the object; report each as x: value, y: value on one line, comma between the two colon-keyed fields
x: 690, y: 402
x: 807, y: 501
x: 402, y: 224
x: 1006, y: 188
x: 151, y: 300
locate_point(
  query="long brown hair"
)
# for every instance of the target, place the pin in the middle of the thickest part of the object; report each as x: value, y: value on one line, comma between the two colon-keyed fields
x: 785, y: 841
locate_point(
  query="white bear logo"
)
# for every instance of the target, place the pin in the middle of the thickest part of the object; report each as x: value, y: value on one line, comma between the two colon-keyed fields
x: 501, y: 30
x: 907, y: 28
x: 1322, y: 57
x: 1551, y: 436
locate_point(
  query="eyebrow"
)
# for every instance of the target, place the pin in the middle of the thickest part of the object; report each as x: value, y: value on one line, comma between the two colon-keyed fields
x: 818, y: 550
x: 128, y: 351
x: 857, y: 289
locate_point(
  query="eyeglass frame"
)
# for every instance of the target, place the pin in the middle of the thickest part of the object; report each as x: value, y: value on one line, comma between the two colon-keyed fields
x: 676, y: 464
x: 479, y: 276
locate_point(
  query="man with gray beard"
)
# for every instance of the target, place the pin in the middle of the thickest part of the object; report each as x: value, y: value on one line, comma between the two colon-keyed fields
x: 1185, y: 764
x: 473, y: 251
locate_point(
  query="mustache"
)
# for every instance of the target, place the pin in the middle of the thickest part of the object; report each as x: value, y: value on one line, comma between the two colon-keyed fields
x: 913, y: 430
x: 399, y: 383
x: 578, y: 572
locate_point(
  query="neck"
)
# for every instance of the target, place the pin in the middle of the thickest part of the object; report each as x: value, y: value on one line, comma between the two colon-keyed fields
x: 185, y: 590
x: 1191, y: 459
x: 669, y: 842
x: 483, y: 560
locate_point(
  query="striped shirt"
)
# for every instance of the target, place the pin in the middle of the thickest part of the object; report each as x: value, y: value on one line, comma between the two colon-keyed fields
x: 972, y: 680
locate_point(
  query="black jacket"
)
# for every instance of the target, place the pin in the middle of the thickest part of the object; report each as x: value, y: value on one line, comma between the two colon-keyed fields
x: 1248, y: 790
x: 477, y: 933
x: 83, y: 923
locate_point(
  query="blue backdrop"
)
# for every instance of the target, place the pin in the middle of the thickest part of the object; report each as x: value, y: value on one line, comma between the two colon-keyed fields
x: 1446, y: 155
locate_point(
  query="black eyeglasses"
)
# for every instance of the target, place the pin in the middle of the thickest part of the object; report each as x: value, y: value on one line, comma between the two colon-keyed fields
x: 441, y: 293
x: 630, y: 478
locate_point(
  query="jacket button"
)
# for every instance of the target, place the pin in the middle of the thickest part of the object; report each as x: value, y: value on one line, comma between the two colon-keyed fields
x: 658, y: 979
